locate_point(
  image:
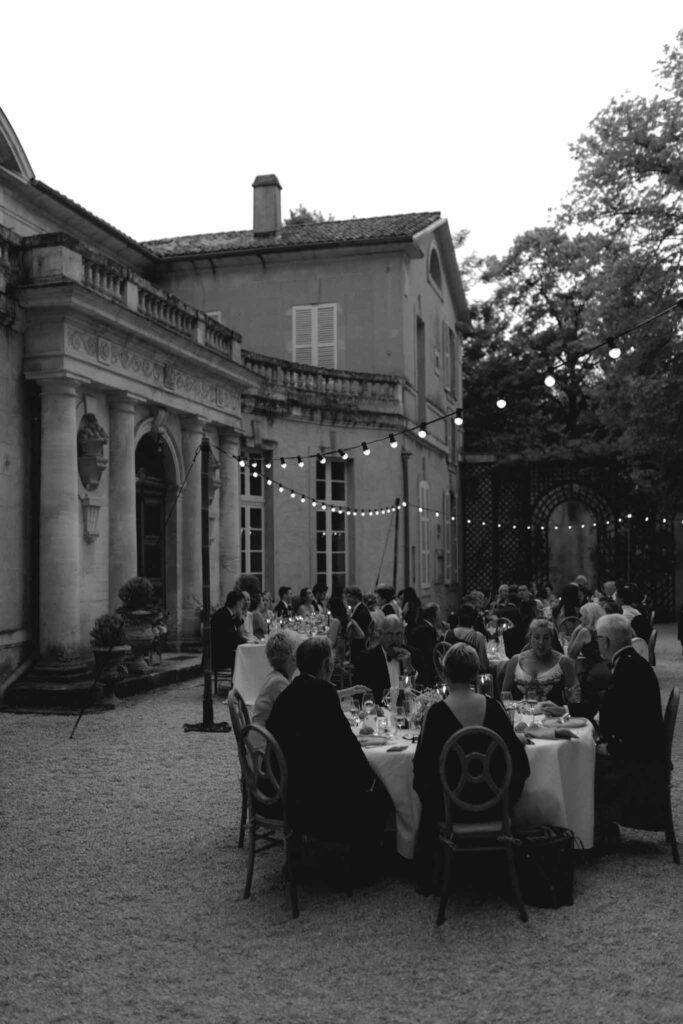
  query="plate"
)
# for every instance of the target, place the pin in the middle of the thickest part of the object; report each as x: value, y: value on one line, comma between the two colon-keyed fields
x: 569, y: 723
x: 372, y: 741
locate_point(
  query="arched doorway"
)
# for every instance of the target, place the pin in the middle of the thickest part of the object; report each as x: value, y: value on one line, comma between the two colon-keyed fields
x: 573, y: 532
x: 151, y: 490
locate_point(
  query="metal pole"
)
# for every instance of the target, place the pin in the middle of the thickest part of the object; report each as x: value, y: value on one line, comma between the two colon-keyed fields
x: 406, y: 520
x: 206, y: 587
x: 396, y: 517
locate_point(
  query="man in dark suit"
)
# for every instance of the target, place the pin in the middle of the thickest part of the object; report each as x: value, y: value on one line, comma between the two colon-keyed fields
x: 360, y: 623
x: 226, y: 635
x: 424, y: 639
x: 385, y: 664
x: 333, y: 793
x: 630, y: 769
x: 283, y: 609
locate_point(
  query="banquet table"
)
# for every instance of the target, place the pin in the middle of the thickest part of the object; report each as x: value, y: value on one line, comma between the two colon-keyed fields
x: 250, y: 671
x: 559, y: 790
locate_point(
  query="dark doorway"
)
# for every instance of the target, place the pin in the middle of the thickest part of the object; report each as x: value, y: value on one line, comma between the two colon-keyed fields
x: 151, y: 489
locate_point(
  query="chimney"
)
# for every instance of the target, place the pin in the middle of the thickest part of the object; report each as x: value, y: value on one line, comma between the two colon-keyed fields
x: 267, y: 220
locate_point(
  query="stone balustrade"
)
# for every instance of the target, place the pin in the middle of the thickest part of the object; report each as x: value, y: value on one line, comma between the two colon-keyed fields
x: 104, y: 279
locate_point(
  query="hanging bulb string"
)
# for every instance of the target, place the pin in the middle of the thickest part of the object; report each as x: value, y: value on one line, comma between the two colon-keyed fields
x: 182, y: 486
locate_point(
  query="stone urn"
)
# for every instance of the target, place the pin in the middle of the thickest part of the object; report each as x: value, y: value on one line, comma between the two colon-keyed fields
x: 139, y: 626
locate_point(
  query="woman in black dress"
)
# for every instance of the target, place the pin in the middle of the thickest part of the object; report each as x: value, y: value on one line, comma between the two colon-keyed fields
x: 462, y: 707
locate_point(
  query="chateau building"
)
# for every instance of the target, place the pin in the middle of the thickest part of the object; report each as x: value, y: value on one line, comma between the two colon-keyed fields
x: 118, y: 357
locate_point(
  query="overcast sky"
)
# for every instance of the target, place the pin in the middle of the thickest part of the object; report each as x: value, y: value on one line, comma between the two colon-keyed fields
x: 157, y: 116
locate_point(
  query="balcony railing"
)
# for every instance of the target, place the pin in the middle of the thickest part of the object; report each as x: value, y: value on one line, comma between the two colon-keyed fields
x: 313, y: 384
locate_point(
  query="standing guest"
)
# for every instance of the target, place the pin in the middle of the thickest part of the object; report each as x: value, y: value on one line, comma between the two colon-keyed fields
x: 594, y: 675
x: 569, y: 604
x: 360, y: 623
x: 630, y: 768
x: 283, y: 609
x: 585, y: 591
x: 226, y: 632
x: 632, y: 610
x: 381, y: 668
x: 515, y: 638
x: 281, y: 647
x: 377, y: 616
x: 339, y: 618
x: 411, y: 609
x: 320, y: 597
x: 332, y: 791
x: 461, y: 708
x: 424, y: 639
x: 477, y: 600
x: 386, y: 599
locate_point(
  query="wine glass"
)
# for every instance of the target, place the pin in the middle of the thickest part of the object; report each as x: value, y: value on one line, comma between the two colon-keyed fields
x: 531, y: 698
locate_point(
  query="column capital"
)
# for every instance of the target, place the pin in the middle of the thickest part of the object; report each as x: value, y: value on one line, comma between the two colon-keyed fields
x: 121, y: 401
x: 59, y: 386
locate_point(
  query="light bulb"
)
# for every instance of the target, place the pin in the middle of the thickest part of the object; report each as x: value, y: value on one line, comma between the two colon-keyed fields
x: 366, y: 450
x: 242, y: 462
x: 501, y: 403
x: 283, y: 463
x: 343, y: 454
x: 422, y: 432
x: 292, y: 494
x: 321, y: 459
x: 549, y: 381
x: 393, y: 443
x: 614, y: 352
x: 300, y: 462
x: 458, y: 419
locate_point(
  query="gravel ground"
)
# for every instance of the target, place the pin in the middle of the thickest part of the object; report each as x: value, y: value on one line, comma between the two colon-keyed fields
x: 122, y: 901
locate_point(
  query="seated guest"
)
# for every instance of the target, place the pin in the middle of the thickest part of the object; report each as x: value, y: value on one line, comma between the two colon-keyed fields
x: 281, y: 647
x: 306, y: 605
x: 283, y: 609
x: 464, y: 632
x: 630, y: 770
x: 226, y: 632
x: 386, y: 600
x: 377, y: 616
x: 594, y: 672
x: 515, y: 638
x: 333, y: 793
x: 478, y: 601
x: 384, y: 665
x: 569, y: 604
x: 461, y: 708
x: 259, y: 622
x: 541, y: 673
x: 411, y: 609
x: 336, y: 634
x: 632, y: 610
x: 320, y: 597
x: 359, y: 625
x: 424, y: 639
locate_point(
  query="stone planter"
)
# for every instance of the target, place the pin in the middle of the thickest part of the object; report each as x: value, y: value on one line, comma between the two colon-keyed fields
x: 140, y: 636
x: 109, y: 667
x: 91, y: 462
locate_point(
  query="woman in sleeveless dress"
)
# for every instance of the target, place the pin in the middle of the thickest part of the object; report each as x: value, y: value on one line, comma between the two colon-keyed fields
x: 540, y: 673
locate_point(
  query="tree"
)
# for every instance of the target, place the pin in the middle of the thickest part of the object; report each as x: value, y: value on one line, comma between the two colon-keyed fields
x: 302, y: 215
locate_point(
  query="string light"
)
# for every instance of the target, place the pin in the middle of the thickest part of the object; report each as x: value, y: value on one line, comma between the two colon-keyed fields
x: 268, y: 464
x: 343, y: 454
x: 292, y: 494
x: 300, y: 462
x: 614, y: 352
x: 501, y: 403
x: 422, y: 432
x: 283, y: 464
x: 393, y: 443
x: 366, y: 450
x: 242, y: 462
x: 322, y: 459
x: 549, y: 381
x: 458, y: 418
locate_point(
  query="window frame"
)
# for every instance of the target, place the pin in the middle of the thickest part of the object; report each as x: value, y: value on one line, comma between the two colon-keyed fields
x: 316, y: 310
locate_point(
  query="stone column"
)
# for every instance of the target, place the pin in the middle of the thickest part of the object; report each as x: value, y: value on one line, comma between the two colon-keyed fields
x: 229, y: 522
x: 123, y: 555
x: 192, y: 429
x: 60, y: 519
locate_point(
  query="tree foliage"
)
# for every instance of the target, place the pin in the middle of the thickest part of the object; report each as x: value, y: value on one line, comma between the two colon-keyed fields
x: 611, y: 261
x: 302, y: 215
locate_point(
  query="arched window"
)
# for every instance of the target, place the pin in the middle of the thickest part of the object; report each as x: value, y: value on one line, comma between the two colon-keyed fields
x: 435, y: 268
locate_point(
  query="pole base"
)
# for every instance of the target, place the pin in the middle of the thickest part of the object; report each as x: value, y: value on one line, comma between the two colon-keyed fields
x: 213, y: 727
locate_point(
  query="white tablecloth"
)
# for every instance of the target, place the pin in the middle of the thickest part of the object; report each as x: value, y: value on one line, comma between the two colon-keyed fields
x: 559, y: 790
x: 250, y: 671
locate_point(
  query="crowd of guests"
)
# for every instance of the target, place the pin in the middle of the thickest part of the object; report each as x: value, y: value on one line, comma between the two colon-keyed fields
x: 384, y: 636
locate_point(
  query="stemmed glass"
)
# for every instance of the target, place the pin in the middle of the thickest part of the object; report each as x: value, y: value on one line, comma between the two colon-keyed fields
x: 531, y: 698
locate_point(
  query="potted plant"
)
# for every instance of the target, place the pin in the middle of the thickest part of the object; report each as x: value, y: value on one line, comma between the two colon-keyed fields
x: 108, y: 641
x: 139, y: 612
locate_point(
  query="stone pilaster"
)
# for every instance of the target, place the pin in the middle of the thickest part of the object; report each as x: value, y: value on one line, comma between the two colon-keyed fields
x: 192, y: 429
x: 60, y: 519
x: 123, y: 557
x: 229, y: 523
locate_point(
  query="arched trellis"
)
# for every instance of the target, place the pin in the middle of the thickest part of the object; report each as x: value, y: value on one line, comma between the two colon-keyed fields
x: 545, y: 505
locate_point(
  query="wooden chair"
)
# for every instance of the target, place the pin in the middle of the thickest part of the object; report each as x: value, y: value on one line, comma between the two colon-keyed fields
x: 239, y: 716
x: 265, y: 778
x: 656, y: 815
x: 438, y: 653
x: 651, y: 648
x: 476, y: 761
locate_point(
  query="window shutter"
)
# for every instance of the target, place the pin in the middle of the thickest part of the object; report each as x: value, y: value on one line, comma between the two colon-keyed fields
x: 302, y: 325
x: 327, y: 336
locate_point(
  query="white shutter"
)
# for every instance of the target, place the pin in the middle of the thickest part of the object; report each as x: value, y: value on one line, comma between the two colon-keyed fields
x: 327, y: 336
x: 302, y: 329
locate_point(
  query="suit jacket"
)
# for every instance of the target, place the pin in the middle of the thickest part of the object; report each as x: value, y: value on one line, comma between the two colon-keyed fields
x: 225, y: 639
x: 631, y: 713
x: 424, y: 639
x: 371, y: 670
x: 282, y: 610
x: 328, y: 773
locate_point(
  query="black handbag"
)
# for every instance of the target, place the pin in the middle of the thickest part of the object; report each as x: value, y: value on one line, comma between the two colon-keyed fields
x: 545, y: 865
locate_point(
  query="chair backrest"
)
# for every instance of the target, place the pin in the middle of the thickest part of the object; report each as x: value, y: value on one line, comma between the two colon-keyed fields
x: 670, y: 715
x: 640, y: 645
x: 651, y: 646
x: 239, y: 712
x: 475, y: 768
x: 440, y: 649
x: 265, y: 768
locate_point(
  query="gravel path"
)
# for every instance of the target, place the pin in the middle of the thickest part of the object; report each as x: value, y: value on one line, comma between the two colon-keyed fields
x: 121, y: 901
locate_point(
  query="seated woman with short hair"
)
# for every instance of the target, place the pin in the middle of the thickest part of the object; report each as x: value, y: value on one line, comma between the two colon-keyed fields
x: 462, y: 707
x: 281, y: 647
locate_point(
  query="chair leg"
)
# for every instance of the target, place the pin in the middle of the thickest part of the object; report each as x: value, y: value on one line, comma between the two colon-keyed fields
x: 243, y: 819
x: 251, y: 856
x: 290, y: 864
x: 514, y: 879
x: 445, y: 885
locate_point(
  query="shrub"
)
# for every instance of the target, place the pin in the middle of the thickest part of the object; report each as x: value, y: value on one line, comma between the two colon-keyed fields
x: 108, y: 631
x: 136, y: 593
